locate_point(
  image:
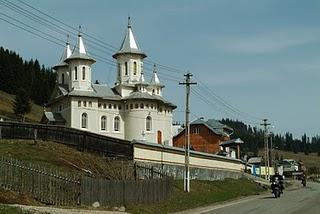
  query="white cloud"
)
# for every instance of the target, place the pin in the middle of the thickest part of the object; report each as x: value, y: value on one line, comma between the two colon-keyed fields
x: 268, y: 42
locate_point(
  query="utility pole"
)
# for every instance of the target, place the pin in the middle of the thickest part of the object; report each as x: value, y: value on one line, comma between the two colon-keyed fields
x: 187, y: 83
x: 266, y: 149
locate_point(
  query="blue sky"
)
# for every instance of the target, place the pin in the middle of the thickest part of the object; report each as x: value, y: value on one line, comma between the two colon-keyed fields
x: 259, y: 56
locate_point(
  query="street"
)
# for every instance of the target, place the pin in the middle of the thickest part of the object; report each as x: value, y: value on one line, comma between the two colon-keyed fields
x: 294, y: 201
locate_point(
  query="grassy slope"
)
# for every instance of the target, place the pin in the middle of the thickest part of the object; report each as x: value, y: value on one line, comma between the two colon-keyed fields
x: 6, y: 108
x: 202, y: 193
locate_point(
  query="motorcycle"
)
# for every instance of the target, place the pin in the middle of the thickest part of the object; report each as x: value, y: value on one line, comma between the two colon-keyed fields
x: 276, y: 188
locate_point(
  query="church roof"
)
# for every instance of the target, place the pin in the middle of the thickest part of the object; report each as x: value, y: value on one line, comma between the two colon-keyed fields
x: 129, y: 44
x: 147, y: 96
x: 99, y: 90
x: 66, y: 53
x: 79, y: 51
x: 155, y: 79
x: 53, y: 117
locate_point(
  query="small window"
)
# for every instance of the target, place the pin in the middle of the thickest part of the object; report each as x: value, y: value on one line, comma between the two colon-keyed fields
x: 83, y: 73
x: 151, y: 106
x: 126, y: 68
x: 135, y: 68
x: 136, y: 105
x: 148, y: 123
x: 157, y: 90
x: 99, y: 105
x: 196, y: 130
x: 160, y: 109
x: 104, y: 105
x: 79, y: 103
x: 116, y: 124
x: 114, y: 106
x: 103, y: 123
x: 131, y: 106
x: 84, y: 103
x: 62, y: 78
x: 75, y: 73
x: 119, y: 68
x: 119, y: 107
x: 141, y: 105
x: 147, y: 105
x: 110, y: 106
x: 152, y: 91
x: 84, y: 120
x: 90, y: 104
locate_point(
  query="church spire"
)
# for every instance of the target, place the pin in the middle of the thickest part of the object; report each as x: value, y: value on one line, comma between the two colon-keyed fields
x: 155, y: 79
x: 79, y: 51
x: 66, y: 53
x: 129, y: 44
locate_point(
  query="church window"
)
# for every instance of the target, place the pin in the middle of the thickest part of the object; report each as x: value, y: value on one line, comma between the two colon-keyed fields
x: 126, y: 68
x: 148, y: 123
x: 151, y: 106
x: 160, y: 109
x: 110, y: 106
x: 157, y: 90
x: 136, y: 105
x: 75, y: 73
x: 83, y: 73
x: 196, y: 130
x: 119, y: 107
x: 84, y: 120
x: 135, y: 68
x: 119, y: 70
x: 147, y: 105
x: 104, y: 105
x: 90, y: 104
x: 79, y: 103
x: 131, y: 106
x: 103, y: 123
x: 62, y: 78
x: 116, y: 124
x: 84, y: 103
x: 141, y: 105
x: 152, y: 91
x: 99, y: 105
x: 114, y: 106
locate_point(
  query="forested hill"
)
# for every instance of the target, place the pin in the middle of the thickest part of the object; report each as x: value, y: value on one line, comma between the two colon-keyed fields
x: 17, y: 74
x: 253, y: 138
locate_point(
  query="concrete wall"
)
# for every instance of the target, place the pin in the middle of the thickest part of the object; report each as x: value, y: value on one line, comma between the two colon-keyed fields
x: 203, y: 166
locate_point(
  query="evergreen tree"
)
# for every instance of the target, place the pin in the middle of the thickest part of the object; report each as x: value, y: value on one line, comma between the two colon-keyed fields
x: 22, y: 105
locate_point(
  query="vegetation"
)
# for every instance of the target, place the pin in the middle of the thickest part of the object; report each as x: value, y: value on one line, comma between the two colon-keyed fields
x: 202, y: 193
x: 7, y: 106
x: 4, y: 209
x: 22, y: 105
x: 38, y: 82
x: 253, y: 139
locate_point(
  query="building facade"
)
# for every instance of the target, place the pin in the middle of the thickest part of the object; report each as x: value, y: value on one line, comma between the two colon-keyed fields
x: 133, y: 109
x: 205, y: 136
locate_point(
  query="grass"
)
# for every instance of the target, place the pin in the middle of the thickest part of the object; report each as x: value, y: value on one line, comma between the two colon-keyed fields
x: 202, y: 193
x: 4, y: 209
x: 57, y: 157
x: 6, y: 108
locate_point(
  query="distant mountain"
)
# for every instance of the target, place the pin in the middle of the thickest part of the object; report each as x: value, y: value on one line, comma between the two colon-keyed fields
x: 16, y: 73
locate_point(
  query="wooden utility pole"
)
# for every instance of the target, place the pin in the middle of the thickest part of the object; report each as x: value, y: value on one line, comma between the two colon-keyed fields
x: 266, y: 148
x: 187, y: 83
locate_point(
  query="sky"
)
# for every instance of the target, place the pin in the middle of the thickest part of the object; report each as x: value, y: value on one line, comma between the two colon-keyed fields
x: 252, y: 59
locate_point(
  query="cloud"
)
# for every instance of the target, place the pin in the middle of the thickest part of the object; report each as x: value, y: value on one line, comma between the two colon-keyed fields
x: 267, y: 42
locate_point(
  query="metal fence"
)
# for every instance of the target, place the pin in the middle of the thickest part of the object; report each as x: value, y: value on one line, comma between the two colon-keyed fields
x: 59, y: 188
x: 83, y: 140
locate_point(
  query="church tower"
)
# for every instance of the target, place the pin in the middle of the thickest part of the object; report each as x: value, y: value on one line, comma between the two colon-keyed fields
x: 129, y: 63
x: 62, y: 67
x: 79, y: 67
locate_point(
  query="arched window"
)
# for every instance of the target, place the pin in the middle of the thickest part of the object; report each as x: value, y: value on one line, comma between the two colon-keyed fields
x: 126, y: 68
x: 84, y: 120
x: 119, y: 71
x: 83, y: 73
x: 135, y: 68
x: 148, y: 123
x: 62, y: 78
x: 103, y: 123
x: 116, y: 125
x: 75, y: 73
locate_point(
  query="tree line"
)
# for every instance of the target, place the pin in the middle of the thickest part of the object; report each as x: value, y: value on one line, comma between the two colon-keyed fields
x: 254, y: 139
x: 18, y: 76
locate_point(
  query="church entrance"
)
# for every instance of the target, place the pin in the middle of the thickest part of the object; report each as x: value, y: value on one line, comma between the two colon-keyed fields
x: 159, y: 137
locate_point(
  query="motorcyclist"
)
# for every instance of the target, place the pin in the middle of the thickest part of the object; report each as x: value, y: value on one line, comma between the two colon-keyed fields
x: 278, y: 177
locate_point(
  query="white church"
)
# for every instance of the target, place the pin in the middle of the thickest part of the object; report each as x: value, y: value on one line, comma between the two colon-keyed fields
x: 133, y: 109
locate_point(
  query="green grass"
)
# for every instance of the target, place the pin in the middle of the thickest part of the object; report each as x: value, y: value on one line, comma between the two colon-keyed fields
x: 4, y: 209
x: 202, y: 193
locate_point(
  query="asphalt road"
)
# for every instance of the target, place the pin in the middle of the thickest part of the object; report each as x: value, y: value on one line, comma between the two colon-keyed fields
x: 298, y: 200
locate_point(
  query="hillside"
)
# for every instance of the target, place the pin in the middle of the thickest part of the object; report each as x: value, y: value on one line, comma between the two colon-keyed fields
x: 6, y: 108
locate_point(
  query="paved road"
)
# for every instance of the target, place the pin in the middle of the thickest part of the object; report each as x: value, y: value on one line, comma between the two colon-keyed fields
x: 294, y: 201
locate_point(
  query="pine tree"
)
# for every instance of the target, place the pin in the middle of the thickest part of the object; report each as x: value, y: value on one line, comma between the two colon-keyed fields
x: 22, y: 105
